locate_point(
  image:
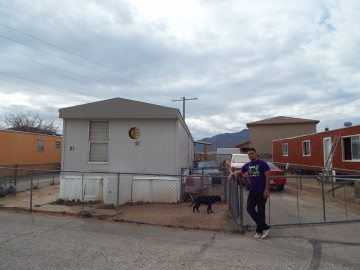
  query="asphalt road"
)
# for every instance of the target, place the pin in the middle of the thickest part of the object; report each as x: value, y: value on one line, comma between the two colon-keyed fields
x: 45, y: 242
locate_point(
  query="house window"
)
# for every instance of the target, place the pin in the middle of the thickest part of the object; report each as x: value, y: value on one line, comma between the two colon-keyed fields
x: 352, y: 148
x: 98, y: 141
x: 306, y: 148
x: 285, y: 149
x: 57, y: 144
x: 40, y: 146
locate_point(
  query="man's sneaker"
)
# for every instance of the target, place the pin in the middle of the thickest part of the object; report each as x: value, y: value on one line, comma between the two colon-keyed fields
x: 257, y: 235
x: 265, y: 233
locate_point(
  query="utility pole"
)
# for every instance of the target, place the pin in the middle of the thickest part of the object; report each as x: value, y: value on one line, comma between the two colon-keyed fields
x: 183, y: 99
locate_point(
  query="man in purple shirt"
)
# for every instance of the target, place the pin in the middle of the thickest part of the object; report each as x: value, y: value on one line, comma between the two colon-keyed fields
x: 259, y: 175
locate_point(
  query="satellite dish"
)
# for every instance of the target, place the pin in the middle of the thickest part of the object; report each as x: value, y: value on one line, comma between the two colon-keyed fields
x: 347, y: 124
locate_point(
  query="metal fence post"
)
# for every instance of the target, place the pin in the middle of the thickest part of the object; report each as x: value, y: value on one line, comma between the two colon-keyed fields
x: 269, y: 204
x: 82, y: 192
x: 181, y: 185
x: 323, y: 198
x: 224, y: 181
x: 31, y: 189
x: 118, y: 195
x: 230, y: 184
x: 16, y: 174
x: 241, y: 208
x: 236, y: 201
x: 346, y: 217
x: 297, y: 199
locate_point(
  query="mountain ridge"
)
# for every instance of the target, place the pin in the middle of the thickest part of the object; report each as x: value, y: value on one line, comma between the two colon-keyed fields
x: 224, y: 140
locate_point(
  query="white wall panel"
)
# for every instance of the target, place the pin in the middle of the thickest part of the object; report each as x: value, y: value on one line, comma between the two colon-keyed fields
x: 163, y: 147
x: 154, y: 153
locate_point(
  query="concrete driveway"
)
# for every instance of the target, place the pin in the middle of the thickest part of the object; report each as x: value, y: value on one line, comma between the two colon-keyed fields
x: 44, y: 242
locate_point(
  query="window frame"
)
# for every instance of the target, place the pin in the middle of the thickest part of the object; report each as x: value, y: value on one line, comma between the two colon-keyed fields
x: 303, y: 143
x: 57, y: 144
x: 343, y: 148
x: 40, y: 148
x: 98, y: 142
x: 287, y: 149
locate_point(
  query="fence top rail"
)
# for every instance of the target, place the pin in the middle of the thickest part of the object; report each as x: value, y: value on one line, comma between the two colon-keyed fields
x: 312, y: 167
x: 28, y: 164
x: 98, y: 172
x: 355, y: 177
x: 349, y: 177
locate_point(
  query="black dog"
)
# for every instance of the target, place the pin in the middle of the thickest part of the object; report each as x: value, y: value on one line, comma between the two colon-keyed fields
x: 204, y: 199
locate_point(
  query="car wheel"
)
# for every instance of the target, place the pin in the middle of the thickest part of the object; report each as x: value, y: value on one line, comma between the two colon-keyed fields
x: 280, y: 188
x: 2, y: 192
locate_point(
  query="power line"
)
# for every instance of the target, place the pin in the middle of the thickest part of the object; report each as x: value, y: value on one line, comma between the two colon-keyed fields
x: 71, y: 61
x: 46, y: 65
x: 21, y: 84
x: 97, y: 70
x: 68, y: 51
x: 183, y: 99
x: 50, y: 85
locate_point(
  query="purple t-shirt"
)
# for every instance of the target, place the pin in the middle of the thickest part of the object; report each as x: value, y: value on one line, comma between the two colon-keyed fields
x: 256, y: 170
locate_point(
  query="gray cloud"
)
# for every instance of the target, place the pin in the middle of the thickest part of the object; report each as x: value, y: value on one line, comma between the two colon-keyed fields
x: 244, y: 61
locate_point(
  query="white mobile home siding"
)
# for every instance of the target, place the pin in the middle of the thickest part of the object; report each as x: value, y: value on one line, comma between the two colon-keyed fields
x: 156, y: 153
x: 185, y: 148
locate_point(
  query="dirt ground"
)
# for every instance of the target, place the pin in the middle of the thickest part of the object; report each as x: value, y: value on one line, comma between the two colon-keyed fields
x: 174, y: 215
x: 310, y: 189
x: 177, y: 215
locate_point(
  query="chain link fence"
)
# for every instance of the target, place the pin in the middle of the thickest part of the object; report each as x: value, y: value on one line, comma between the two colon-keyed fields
x: 165, y: 199
x: 134, y: 197
x: 306, y: 199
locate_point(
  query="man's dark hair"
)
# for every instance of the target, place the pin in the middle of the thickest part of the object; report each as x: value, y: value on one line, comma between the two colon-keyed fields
x: 252, y: 149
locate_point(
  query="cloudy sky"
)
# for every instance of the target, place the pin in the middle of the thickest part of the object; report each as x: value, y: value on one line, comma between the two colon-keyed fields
x: 244, y: 60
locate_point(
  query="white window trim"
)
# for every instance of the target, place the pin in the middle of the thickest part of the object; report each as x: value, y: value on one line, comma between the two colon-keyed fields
x: 302, y: 146
x: 108, y: 142
x: 287, y: 149
x: 343, y: 149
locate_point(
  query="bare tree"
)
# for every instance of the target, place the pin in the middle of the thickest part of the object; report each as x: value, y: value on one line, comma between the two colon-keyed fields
x: 28, y: 122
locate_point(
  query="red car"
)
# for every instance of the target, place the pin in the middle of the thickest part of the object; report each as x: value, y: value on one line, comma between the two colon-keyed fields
x: 277, y: 182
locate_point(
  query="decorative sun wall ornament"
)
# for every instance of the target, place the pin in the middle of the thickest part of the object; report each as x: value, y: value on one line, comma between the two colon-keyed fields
x: 134, y: 133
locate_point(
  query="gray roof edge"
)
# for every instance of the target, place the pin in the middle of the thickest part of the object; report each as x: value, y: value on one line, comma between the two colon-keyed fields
x: 90, y: 110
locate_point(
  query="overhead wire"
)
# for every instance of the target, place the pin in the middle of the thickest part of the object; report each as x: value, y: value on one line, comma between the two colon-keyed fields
x: 97, y: 70
x: 68, y: 51
x: 46, y: 84
x: 50, y: 66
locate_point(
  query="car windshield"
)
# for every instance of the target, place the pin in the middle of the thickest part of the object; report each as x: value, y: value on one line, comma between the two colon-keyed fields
x: 207, y: 164
x: 272, y: 166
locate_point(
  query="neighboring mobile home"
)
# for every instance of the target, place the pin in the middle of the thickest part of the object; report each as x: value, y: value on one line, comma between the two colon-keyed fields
x: 29, y: 150
x: 311, y: 151
x: 120, y: 135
